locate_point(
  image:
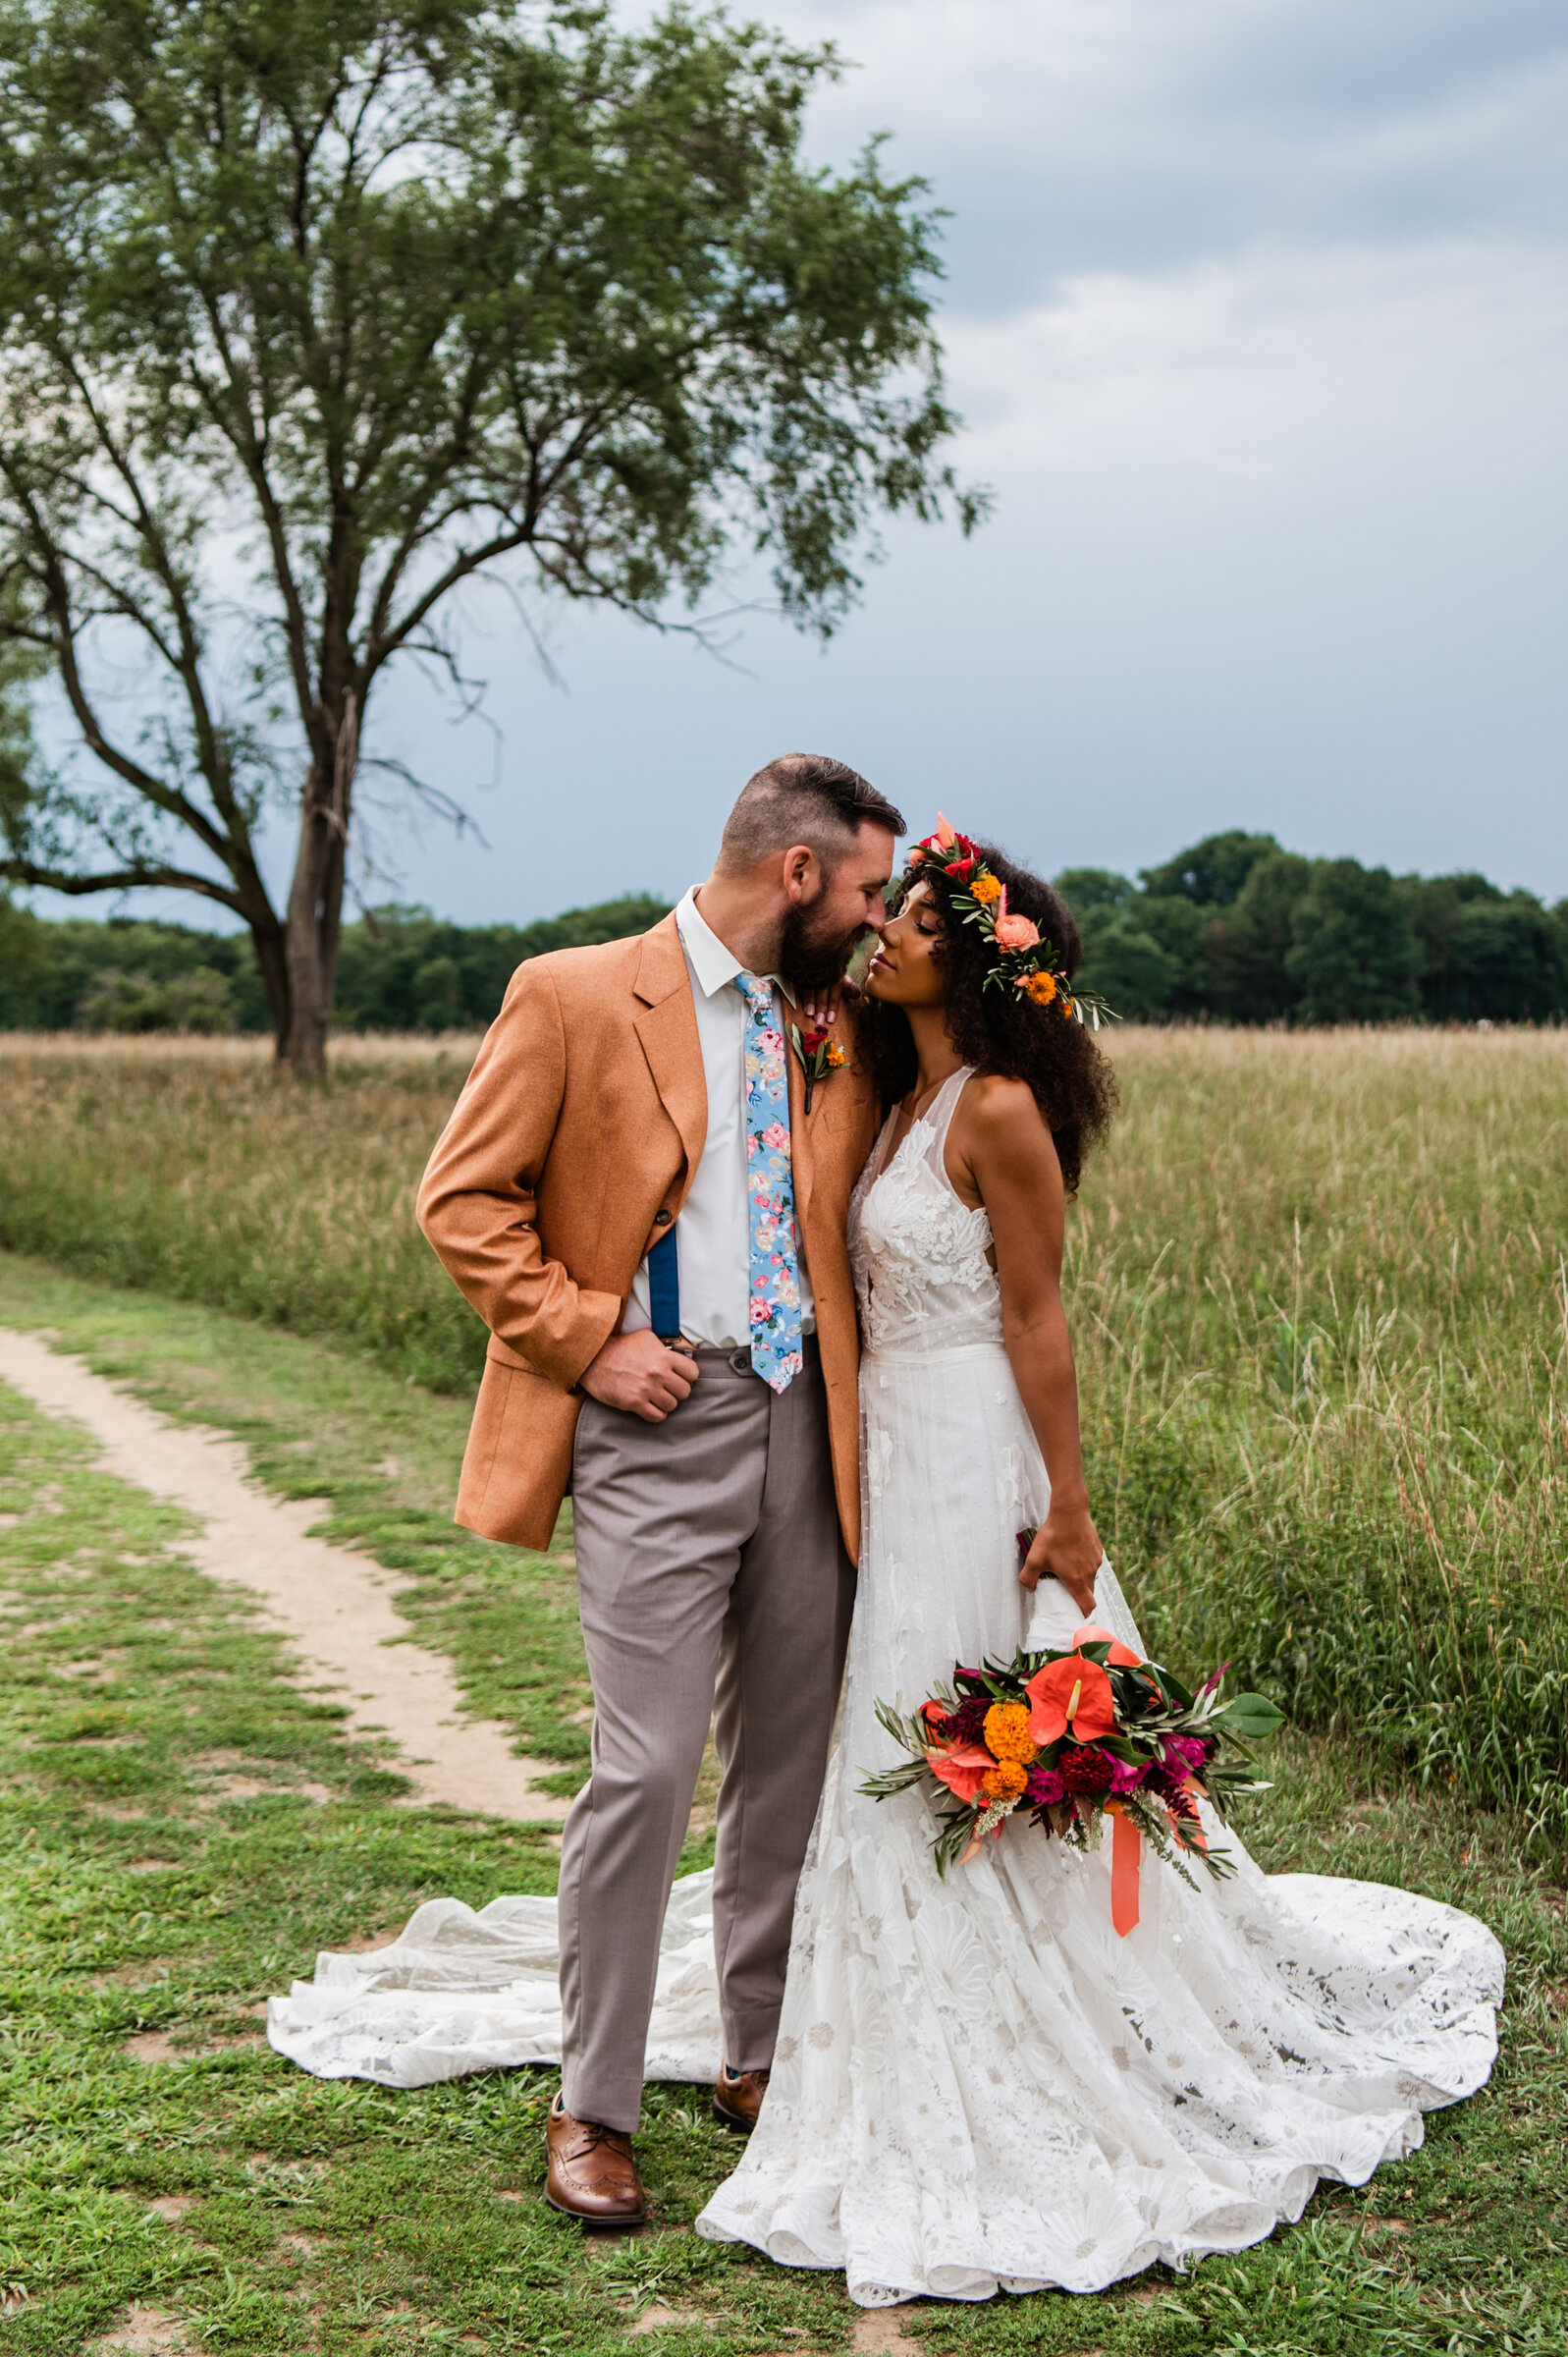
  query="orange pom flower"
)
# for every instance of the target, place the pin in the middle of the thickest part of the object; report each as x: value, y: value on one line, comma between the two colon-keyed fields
x: 1007, y: 1731
x: 986, y: 888
x: 1042, y: 988
x: 1006, y: 1782
x: 836, y: 1055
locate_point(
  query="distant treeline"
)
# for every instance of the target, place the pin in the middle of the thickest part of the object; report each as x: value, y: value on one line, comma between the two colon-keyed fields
x: 1235, y: 930
x: 1238, y: 931
x: 400, y: 969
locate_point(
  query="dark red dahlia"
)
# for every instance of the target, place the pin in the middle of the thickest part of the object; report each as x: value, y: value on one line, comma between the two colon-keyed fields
x: 1085, y: 1768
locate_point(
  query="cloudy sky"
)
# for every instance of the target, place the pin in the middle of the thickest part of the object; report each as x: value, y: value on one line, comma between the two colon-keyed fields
x: 1257, y: 312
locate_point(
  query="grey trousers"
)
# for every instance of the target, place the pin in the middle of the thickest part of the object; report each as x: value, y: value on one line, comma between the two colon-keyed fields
x: 712, y: 1581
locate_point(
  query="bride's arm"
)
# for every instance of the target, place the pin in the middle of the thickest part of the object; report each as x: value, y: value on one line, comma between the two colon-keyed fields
x: 1001, y: 1146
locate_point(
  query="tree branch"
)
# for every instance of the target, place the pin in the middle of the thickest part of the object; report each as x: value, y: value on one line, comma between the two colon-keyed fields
x: 124, y: 879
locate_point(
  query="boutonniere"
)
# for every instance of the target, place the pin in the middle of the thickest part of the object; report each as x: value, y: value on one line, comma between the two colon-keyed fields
x: 818, y: 1052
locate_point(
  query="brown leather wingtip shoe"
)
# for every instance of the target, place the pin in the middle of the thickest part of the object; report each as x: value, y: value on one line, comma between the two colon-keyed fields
x: 592, y: 2176
x: 738, y: 2098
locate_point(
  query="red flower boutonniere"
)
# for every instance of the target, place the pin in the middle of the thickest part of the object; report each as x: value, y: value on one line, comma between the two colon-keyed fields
x: 818, y: 1053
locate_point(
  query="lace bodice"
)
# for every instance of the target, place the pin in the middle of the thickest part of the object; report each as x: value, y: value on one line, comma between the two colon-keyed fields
x: 918, y: 1252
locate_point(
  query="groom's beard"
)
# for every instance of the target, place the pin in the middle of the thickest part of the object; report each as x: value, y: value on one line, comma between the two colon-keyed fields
x: 814, y: 959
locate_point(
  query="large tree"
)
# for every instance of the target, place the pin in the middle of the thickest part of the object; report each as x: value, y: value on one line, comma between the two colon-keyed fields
x: 313, y: 310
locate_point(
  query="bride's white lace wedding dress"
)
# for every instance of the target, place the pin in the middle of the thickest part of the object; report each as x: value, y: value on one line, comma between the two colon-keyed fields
x: 978, y: 2084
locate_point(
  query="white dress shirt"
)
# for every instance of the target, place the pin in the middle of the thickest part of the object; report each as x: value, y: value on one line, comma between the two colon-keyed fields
x: 713, y: 1235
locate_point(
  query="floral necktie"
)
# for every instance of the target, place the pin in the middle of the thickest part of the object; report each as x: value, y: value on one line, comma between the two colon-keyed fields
x: 775, y: 1288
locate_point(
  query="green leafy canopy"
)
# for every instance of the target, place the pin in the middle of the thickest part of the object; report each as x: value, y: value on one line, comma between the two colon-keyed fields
x: 314, y: 312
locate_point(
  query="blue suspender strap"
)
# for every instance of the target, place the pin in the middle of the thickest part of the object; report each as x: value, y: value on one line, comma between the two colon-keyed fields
x: 664, y: 1288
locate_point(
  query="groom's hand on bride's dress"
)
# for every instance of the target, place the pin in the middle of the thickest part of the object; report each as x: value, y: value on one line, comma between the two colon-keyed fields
x: 641, y: 1374
x: 1067, y: 1548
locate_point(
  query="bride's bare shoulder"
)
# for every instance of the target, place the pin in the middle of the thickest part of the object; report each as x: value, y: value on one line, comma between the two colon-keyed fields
x: 995, y: 1107
x: 998, y: 1131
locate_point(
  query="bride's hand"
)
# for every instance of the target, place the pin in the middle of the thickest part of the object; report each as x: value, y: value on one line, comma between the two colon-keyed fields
x: 820, y: 1008
x: 1067, y: 1548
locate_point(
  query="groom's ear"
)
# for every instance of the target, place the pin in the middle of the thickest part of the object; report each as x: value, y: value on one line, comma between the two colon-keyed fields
x: 801, y: 872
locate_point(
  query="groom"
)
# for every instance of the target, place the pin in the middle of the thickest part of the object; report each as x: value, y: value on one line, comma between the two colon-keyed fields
x: 634, y: 1196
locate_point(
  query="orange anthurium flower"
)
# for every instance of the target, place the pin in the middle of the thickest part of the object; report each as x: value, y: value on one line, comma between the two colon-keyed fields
x: 945, y: 834
x: 962, y: 1769
x: 1090, y: 1635
x: 1073, y: 1692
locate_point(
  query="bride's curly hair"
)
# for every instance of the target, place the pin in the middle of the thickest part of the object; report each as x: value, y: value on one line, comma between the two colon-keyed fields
x: 999, y: 1031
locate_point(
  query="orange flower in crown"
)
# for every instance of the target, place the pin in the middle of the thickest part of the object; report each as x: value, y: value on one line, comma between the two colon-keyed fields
x: 1025, y: 964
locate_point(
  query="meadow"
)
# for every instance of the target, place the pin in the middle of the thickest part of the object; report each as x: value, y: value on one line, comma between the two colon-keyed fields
x: 1318, y: 1289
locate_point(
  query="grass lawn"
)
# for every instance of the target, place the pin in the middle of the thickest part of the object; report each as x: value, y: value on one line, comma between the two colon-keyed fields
x: 182, y: 1830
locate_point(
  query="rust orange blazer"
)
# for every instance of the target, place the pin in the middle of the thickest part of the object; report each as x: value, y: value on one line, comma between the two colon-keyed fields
x: 585, y: 1117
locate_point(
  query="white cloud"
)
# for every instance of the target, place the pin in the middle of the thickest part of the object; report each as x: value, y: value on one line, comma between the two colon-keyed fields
x: 1258, y: 311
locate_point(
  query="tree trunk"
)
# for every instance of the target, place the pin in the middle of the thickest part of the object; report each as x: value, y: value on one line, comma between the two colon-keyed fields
x: 315, y: 926
x: 270, y: 941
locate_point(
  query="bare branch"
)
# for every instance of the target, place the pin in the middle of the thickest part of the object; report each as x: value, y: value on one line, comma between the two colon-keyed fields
x: 122, y: 879
x: 434, y: 797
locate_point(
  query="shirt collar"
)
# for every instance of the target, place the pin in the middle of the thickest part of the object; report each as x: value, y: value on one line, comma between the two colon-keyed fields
x: 713, y: 966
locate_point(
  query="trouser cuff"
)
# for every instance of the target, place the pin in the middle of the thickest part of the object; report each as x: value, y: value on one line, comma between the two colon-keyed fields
x: 606, y: 2106
x: 749, y: 2040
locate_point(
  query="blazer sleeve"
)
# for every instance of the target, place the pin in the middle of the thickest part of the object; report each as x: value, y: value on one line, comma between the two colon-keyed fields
x: 477, y: 1204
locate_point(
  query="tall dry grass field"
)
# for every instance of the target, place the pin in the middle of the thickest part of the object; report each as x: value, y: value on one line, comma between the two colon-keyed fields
x: 1318, y: 1289
x: 1322, y: 1324
x: 197, y: 1168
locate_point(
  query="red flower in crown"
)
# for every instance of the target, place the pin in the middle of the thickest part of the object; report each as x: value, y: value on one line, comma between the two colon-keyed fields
x: 945, y: 841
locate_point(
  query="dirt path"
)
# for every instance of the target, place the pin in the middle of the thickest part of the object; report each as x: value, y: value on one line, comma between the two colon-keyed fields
x: 334, y: 1605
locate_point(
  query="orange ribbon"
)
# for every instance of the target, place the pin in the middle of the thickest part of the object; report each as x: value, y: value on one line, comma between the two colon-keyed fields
x: 1126, y: 1847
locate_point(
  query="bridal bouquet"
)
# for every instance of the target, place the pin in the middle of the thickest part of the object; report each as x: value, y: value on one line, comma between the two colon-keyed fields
x: 1072, y: 1738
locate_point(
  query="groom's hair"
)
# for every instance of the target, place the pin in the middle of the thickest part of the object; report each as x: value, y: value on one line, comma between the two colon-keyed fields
x: 802, y: 798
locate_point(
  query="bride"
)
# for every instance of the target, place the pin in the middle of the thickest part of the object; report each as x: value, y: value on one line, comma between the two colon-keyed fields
x: 978, y: 2085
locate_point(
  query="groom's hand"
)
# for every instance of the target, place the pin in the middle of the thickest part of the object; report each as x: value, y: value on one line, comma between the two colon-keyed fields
x: 638, y: 1373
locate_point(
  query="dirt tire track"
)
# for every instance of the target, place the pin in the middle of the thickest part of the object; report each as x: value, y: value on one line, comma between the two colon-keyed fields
x: 333, y: 1603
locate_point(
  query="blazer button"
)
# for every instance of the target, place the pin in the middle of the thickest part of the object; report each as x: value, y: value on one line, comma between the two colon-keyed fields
x: 660, y: 1218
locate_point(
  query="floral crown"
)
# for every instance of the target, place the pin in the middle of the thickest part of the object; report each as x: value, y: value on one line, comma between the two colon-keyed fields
x: 1026, y: 962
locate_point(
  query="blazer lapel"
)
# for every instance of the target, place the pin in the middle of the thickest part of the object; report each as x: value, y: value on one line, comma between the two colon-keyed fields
x: 666, y: 1027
